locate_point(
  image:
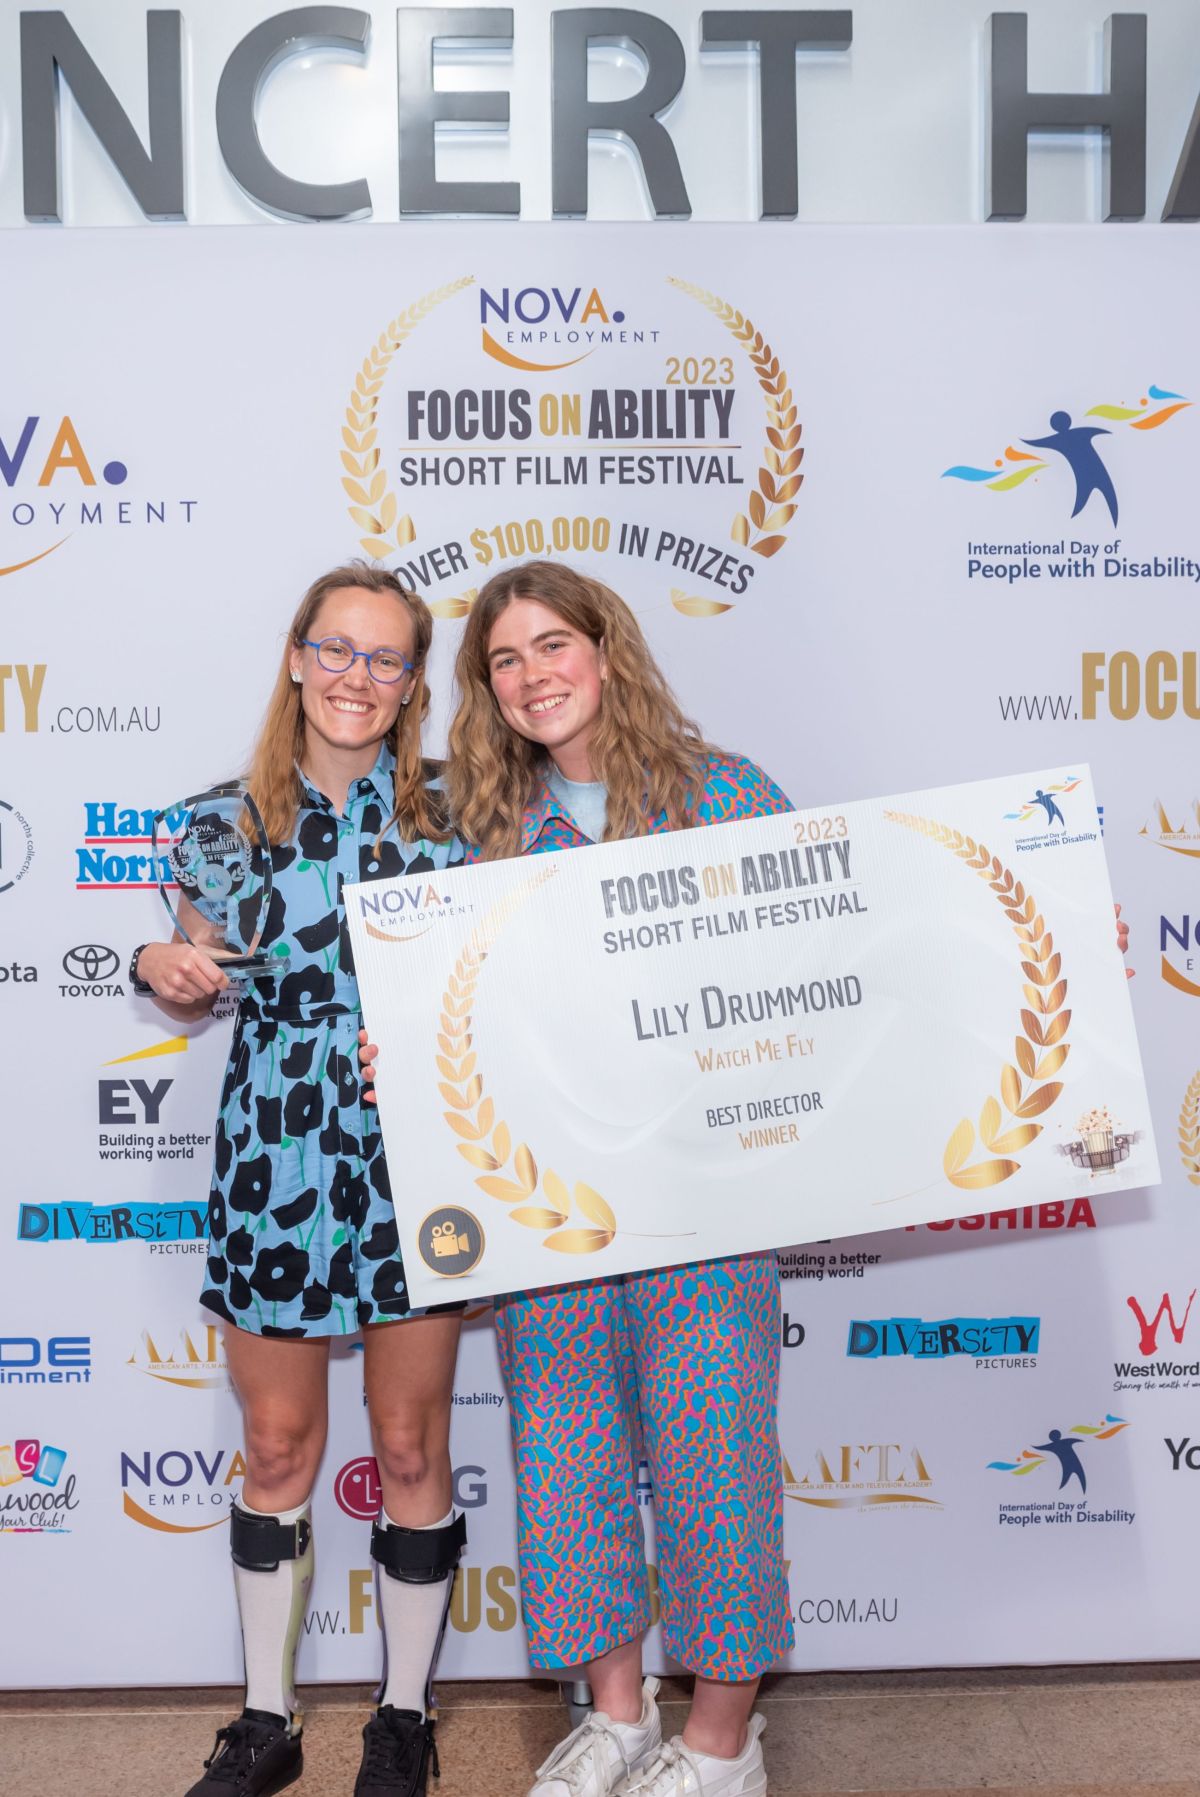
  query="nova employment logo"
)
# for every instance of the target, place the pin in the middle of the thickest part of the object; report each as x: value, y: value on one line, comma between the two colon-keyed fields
x: 1008, y: 1341
x: 1178, y: 939
x: 192, y: 1359
x: 1072, y: 449
x: 54, y: 490
x: 35, y: 1498
x: 1061, y: 1453
x: 515, y: 321
x: 863, y: 1476
x: 183, y: 1483
x: 396, y: 909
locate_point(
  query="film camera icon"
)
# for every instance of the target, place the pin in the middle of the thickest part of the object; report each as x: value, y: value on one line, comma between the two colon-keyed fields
x: 447, y: 1242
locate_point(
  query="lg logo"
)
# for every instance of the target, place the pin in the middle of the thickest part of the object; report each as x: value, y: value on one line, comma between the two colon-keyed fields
x: 359, y: 1492
x: 1183, y: 1453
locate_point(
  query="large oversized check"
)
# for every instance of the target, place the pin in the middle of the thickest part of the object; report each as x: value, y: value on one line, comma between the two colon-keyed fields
x: 812, y: 1025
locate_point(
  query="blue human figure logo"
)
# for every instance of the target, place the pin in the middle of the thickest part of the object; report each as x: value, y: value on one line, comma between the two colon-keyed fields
x: 1066, y: 1451
x: 1047, y: 803
x: 1076, y: 446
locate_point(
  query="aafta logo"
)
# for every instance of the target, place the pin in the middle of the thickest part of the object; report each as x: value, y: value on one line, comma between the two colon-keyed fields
x: 863, y: 1476
x: 402, y: 913
x: 1041, y: 815
x: 192, y: 1359
x: 1179, y: 832
x: 35, y: 1497
x: 56, y: 487
x: 180, y: 1491
x: 1061, y: 1453
x: 116, y: 852
x: 1072, y: 456
x: 524, y: 326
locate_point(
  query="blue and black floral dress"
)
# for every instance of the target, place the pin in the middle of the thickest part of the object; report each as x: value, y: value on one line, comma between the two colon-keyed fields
x: 302, y: 1232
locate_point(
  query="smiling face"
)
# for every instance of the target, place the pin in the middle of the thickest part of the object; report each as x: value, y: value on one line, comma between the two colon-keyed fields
x: 350, y: 711
x: 547, y: 678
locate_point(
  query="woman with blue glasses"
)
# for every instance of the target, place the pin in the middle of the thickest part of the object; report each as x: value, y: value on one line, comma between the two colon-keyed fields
x: 303, y: 1242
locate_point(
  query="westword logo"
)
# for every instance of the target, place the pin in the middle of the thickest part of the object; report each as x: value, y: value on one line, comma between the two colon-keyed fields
x: 548, y: 319
x: 1181, y: 836
x: 1069, y: 448
x: 976, y: 1338
x: 1148, y: 1328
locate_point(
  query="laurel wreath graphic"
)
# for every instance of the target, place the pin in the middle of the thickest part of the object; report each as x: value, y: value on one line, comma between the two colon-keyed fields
x: 1042, y: 1048
x: 762, y: 531
x: 1189, y: 1131
x: 373, y: 504
x: 485, y: 1141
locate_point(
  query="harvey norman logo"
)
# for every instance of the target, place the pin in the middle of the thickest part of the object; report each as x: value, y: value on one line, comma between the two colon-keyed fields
x: 402, y: 913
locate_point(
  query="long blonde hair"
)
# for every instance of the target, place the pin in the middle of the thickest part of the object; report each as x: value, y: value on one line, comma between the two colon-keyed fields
x: 273, y: 779
x: 649, y: 756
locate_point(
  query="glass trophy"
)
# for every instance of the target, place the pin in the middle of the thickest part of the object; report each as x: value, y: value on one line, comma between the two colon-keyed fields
x: 213, y: 847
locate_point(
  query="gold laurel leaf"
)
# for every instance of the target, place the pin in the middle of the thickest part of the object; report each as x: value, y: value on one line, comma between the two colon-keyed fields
x: 1035, y: 998
x: 457, y: 1007
x: 578, y: 1241
x: 501, y: 1143
x: 461, y: 1126
x: 1035, y: 973
x: 555, y: 1190
x: 777, y: 519
x: 1026, y: 1059
x: 376, y: 546
x: 768, y: 545
x: 449, y: 608
x: 741, y: 529
x: 406, y: 530
x: 1032, y: 1027
x: 1038, y: 1101
x: 790, y: 487
x: 1053, y: 967
x: 352, y: 463
x: 525, y: 1167
x: 485, y: 1117
x: 758, y: 510
x: 377, y: 488
x: 1050, y: 1063
x: 1010, y: 1087
x: 387, y: 511
x: 766, y: 486
x: 776, y: 437
x: 449, y: 1068
x: 989, y: 1122
x: 534, y: 1217
x: 987, y: 1173
x: 474, y: 1090
x: 594, y: 1208
x: 478, y: 1157
x: 357, y: 492
x: 453, y: 1096
x: 959, y: 1146
x: 366, y: 520
x: 504, y: 1189
x: 455, y: 1026
x: 693, y: 606
x: 1056, y: 996
x: 1015, y: 1139
x: 1056, y: 1029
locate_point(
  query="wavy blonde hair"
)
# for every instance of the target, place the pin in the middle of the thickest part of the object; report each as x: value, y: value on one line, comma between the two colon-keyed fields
x: 649, y: 756
x: 272, y: 777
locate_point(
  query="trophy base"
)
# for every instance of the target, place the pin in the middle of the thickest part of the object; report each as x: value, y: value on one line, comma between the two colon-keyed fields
x: 242, y: 968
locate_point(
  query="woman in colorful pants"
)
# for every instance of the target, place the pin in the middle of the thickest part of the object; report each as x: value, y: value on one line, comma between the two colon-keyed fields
x: 567, y: 734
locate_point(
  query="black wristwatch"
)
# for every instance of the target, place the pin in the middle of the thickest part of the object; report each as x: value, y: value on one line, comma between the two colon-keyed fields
x: 141, y: 987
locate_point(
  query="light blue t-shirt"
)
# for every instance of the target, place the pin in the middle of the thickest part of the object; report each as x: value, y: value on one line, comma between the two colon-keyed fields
x: 585, y: 800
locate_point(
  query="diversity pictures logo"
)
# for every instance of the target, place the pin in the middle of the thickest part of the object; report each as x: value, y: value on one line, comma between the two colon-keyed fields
x: 863, y: 1476
x: 35, y: 1499
x: 1076, y: 448
x: 975, y: 1338
x: 1181, y: 837
x: 1061, y: 1452
x: 193, y: 1361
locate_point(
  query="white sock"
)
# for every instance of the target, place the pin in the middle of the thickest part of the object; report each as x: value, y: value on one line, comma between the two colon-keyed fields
x: 412, y: 1623
x: 272, y: 1606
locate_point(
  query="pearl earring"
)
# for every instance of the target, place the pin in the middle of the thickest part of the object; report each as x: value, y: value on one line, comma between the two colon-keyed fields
x: 295, y: 680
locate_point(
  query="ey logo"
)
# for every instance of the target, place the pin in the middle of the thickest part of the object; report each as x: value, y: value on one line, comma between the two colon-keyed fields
x: 137, y: 1101
x: 1148, y: 1329
x: 542, y: 315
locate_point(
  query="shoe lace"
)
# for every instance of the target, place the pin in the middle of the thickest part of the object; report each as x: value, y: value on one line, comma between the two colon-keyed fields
x: 667, y: 1774
x: 584, y: 1754
x: 235, y: 1750
x: 391, y: 1749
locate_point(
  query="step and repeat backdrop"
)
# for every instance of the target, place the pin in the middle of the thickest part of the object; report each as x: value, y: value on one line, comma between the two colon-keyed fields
x: 895, y: 509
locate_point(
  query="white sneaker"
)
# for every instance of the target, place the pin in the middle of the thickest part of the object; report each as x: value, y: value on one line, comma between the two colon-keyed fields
x: 600, y: 1753
x: 679, y: 1771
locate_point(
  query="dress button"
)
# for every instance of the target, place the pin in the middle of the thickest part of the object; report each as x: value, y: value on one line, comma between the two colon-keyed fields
x: 372, y: 867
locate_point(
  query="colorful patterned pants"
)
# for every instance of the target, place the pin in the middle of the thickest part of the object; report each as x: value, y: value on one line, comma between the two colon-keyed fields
x: 685, y: 1360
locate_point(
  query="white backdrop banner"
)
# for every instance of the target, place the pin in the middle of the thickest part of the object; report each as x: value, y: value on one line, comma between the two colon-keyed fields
x: 896, y: 510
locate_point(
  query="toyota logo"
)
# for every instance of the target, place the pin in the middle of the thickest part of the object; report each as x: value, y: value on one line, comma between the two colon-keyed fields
x: 90, y: 961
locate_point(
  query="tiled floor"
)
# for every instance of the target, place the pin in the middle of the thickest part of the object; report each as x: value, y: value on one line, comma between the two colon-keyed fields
x: 1053, y: 1732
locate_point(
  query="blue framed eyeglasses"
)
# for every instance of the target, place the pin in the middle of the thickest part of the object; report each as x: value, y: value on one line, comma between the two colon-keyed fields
x: 337, y: 656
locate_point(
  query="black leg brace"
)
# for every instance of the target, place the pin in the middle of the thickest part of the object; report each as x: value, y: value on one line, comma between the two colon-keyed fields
x: 259, y: 1543
x: 422, y: 1557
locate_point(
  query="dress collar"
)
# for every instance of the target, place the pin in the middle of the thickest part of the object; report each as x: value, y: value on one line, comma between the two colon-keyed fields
x: 542, y: 809
x: 382, y: 780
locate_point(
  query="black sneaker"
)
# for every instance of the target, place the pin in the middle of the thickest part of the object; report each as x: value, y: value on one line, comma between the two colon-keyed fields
x: 398, y: 1749
x: 254, y: 1757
